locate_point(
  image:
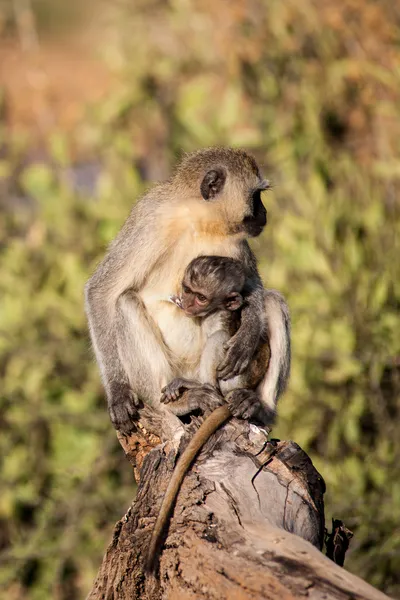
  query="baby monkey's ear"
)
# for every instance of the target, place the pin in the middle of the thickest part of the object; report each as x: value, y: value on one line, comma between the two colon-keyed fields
x: 233, y: 301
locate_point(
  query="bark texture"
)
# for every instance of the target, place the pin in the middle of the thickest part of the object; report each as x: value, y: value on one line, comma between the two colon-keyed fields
x: 248, y: 525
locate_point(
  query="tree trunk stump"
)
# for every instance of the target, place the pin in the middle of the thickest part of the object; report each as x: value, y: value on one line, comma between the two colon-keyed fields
x: 248, y: 525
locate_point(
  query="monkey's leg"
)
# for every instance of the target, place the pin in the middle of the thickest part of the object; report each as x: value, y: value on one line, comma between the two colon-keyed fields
x: 144, y: 356
x: 210, y: 358
x: 212, y: 355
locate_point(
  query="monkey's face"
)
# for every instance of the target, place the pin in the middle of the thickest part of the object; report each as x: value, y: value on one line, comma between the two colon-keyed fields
x: 236, y: 200
x: 225, y: 185
x: 194, y: 302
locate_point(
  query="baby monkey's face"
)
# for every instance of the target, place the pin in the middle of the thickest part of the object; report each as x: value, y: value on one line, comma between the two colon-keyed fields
x: 200, y: 300
x: 197, y: 301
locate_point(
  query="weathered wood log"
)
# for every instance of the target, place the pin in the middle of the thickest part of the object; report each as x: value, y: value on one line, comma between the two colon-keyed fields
x: 248, y: 525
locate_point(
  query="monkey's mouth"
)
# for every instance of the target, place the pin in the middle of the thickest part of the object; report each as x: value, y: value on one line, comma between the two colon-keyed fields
x: 254, y: 226
x: 176, y: 300
x: 255, y: 230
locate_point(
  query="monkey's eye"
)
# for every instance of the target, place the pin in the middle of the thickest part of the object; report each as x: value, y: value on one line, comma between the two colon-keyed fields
x: 186, y: 289
x: 201, y: 299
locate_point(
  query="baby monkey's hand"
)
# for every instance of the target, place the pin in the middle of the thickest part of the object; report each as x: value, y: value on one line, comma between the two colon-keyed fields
x: 182, y: 402
x: 176, y: 387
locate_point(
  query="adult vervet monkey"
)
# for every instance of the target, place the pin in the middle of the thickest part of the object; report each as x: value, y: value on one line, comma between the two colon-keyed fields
x: 142, y: 341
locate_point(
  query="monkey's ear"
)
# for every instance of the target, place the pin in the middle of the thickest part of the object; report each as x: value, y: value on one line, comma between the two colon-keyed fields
x: 233, y: 301
x: 212, y: 183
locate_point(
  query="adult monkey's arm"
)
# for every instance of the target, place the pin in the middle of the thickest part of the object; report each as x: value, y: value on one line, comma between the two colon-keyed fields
x: 130, y: 258
x: 241, y: 347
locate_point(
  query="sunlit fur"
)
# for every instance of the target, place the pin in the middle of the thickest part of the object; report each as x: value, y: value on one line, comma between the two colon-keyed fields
x: 217, y: 278
x: 139, y: 337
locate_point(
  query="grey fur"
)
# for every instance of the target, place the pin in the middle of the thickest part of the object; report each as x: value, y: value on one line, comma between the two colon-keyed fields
x: 215, y: 277
x: 131, y: 340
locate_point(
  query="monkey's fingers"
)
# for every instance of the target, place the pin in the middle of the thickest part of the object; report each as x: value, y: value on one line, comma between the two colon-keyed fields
x: 239, y: 352
x: 232, y: 366
x: 170, y: 387
x: 243, y: 404
x: 205, y: 397
x: 165, y: 398
x: 169, y: 396
x: 123, y: 416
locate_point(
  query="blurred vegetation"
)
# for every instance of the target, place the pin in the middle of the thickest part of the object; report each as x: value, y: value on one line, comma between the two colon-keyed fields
x: 312, y: 89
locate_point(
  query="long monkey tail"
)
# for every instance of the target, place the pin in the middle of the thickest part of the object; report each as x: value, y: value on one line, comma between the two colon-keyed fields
x: 278, y: 330
x: 206, y: 429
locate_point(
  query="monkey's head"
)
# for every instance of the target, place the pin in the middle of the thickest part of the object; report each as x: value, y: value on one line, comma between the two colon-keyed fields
x: 225, y: 185
x: 212, y: 283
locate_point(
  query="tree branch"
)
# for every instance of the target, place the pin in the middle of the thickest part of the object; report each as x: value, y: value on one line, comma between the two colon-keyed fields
x: 232, y: 532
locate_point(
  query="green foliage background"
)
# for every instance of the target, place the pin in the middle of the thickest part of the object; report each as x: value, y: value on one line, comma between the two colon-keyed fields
x: 313, y: 94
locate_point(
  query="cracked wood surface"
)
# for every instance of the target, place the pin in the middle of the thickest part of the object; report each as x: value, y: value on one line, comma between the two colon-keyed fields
x: 231, y: 534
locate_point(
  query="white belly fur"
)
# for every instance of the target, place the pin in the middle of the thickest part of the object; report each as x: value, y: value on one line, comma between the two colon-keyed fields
x: 181, y: 333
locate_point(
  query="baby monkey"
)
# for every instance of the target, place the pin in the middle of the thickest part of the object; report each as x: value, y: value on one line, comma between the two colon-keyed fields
x: 213, y: 291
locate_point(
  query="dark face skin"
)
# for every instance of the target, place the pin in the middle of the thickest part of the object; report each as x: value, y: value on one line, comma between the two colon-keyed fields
x: 213, y: 183
x: 198, y: 302
x: 255, y: 223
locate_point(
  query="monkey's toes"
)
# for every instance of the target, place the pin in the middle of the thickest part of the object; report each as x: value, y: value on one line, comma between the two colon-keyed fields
x: 123, y: 418
x: 243, y: 404
x: 166, y: 398
x: 169, y: 394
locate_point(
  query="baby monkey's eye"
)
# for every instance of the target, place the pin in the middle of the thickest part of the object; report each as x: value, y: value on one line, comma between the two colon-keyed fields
x: 186, y: 289
x: 202, y: 299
